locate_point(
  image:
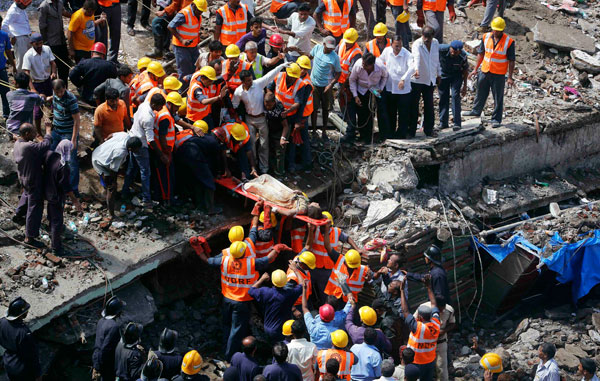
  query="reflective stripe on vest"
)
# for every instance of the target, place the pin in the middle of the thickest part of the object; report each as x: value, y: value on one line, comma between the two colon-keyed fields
x: 107, y: 3
x: 189, y: 30
x: 355, y: 281
x: 284, y: 94
x: 335, y: 20
x: 277, y: 4
x: 292, y: 276
x: 308, y: 107
x: 145, y: 86
x: 160, y: 116
x: 237, y: 277
x: 346, y: 59
x: 233, y: 144
x: 137, y: 81
x: 154, y: 90
x: 298, y: 235
x: 374, y: 48
x: 257, y: 65
x: 495, y: 59
x: 434, y: 5
x: 182, y: 136
x: 318, y: 248
x: 195, y: 109
x: 234, y: 24
x: 234, y: 81
x: 424, y: 341
x: 263, y: 248
x: 345, y: 359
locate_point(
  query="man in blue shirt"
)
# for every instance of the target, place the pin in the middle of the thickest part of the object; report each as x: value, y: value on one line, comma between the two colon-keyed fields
x: 455, y: 70
x: 282, y: 370
x: 326, y: 71
x: 368, y: 367
x: 6, y: 53
x: 439, y: 279
x: 245, y: 362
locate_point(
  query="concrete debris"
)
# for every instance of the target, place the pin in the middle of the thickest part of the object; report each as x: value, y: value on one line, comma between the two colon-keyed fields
x: 562, y: 37
x: 584, y: 62
x: 380, y: 211
x: 392, y: 176
x: 530, y: 336
x: 566, y: 359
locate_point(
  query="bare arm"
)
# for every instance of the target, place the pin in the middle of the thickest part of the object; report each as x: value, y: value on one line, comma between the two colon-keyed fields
x: 76, y: 125
x: 305, y: 309
x: 217, y: 36
x: 262, y: 280
x: 403, y: 301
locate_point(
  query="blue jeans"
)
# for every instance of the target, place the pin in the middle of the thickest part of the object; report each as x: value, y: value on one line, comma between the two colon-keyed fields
x: 236, y: 317
x: 447, y: 87
x: 141, y: 160
x: 402, y: 29
x: 73, y: 162
x: 305, y: 148
x: 286, y: 10
x: 3, y: 91
x: 186, y: 58
x: 427, y: 371
x: 162, y: 36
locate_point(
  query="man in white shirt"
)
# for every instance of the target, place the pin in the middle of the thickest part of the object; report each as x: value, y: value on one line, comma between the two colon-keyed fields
x: 547, y: 369
x: 301, y: 352
x: 399, y: 64
x: 301, y: 27
x: 16, y: 24
x: 252, y: 93
x: 426, y: 61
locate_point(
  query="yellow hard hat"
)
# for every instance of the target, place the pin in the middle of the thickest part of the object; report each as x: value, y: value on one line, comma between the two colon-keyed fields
x: 308, y: 259
x: 304, y: 62
x: 279, y: 278
x: 237, y: 249
x: 352, y: 258
x: 204, y: 127
x: 380, y: 30
x: 293, y: 71
x: 143, y: 63
x: 172, y: 83
x: 183, y: 106
x: 232, y: 51
x: 236, y: 233
x: 403, y: 17
x: 367, y: 315
x: 498, y: 24
x: 239, y: 132
x: 175, y: 98
x: 273, y: 218
x: 287, y: 328
x: 209, y: 72
x: 156, y: 68
x: 492, y: 362
x: 328, y: 215
x: 201, y: 5
x: 192, y: 363
x: 339, y: 338
x: 350, y: 36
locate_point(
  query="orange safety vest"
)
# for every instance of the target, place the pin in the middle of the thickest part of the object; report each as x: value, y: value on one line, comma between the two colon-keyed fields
x: 190, y: 29
x: 250, y: 249
x: 398, y: 3
x: 308, y: 107
x: 434, y: 5
x: 345, y: 359
x: 277, y: 4
x: 284, y: 94
x: 374, y: 48
x: 234, y: 81
x: 195, y: 109
x: 335, y: 20
x: 145, y: 86
x: 263, y: 248
x: 237, y: 277
x: 424, y: 341
x: 155, y: 90
x: 355, y: 281
x: 136, y: 82
x: 318, y: 247
x: 107, y: 3
x: 495, y: 59
x: 346, y: 58
x: 160, y: 116
x: 234, y: 24
x: 182, y: 136
x: 297, y: 238
x: 304, y: 276
x: 233, y: 144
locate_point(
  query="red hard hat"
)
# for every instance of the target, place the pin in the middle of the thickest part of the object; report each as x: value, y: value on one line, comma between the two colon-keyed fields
x: 99, y: 48
x: 326, y: 312
x: 276, y: 41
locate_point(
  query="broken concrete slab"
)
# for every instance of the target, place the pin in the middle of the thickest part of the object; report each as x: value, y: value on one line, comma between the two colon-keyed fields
x: 399, y: 175
x: 379, y: 211
x: 562, y: 38
x: 566, y: 360
x: 584, y: 62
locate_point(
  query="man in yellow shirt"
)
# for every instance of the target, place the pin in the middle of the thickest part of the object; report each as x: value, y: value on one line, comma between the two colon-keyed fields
x: 81, y: 34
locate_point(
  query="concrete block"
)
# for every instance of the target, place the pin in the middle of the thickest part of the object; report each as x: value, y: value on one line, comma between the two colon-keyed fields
x: 562, y: 37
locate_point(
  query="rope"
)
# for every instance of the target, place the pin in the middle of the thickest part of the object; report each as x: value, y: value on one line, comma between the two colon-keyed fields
x: 453, y: 261
x: 64, y: 63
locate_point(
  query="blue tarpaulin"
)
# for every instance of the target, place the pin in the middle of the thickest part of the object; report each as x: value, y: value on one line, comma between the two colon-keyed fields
x: 577, y: 262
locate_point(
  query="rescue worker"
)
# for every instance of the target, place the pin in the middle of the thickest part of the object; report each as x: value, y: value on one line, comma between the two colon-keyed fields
x: 21, y: 356
x: 92, y: 72
x: 276, y: 51
x: 368, y: 318
x: 167, y: 353
x: 140, y: 77
x: 154, y: 78
x: 424, y: 331
x: 439, y: 278
x: 202, y: 94
x: 170, y: 84
x: 107, y: 338
x: 233, y: 66
x: 399, y: 10
x: 185, y: 28
x: 431, y: 12
x: 286, y: 329
x: 153, y: 370
x: 346, y: 359
x: 380, y: 42
x: 349, y: 53
x: 235, y: 136
x: 130, y: 355
x: 265, y: 239
x: 334, y: 17
x: 238, y: 274
x: 190, y: 367
x: 496, y: 58
x: 231, y: 22
x: 304, y: 262
x: 302, y: 132
x: 161, y: 160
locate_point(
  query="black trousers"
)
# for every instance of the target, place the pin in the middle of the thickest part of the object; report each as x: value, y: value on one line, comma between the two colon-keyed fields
x: 426, y: 91
x: 56, y: 219
x: 398, y: 112
x: 62, y: 54
x: 132, y: 6
x: 365, y: 117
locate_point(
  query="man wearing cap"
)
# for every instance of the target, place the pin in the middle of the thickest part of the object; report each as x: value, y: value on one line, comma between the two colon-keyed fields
x: 327, y: 321
x: 21, y: 357
x: 368, y: 318
x: 496, y: 58
x: 16, y: 24
x: 455, y: 70
x: 349, y: 52
x: 107, y: 337
x: 439, y: 278
x: 90, y: 73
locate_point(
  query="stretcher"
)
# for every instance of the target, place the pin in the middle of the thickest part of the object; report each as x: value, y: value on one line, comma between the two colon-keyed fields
x: 235, y: 185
